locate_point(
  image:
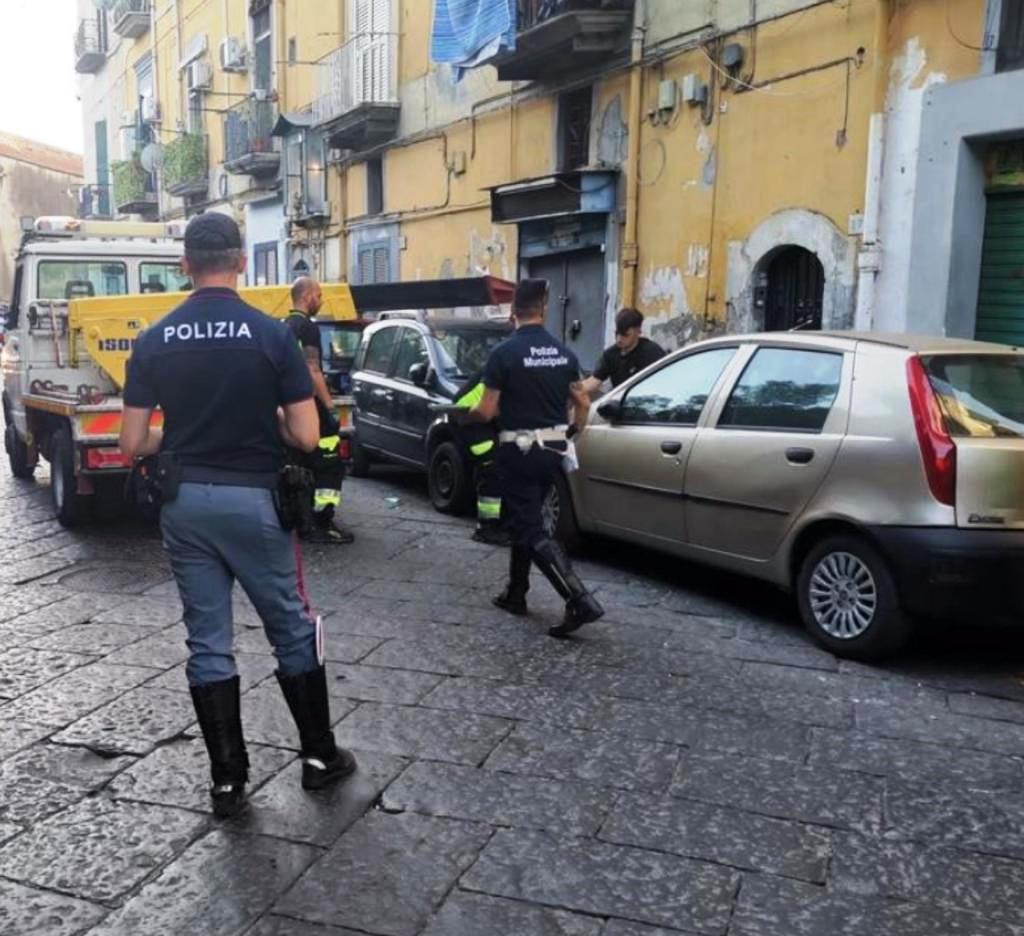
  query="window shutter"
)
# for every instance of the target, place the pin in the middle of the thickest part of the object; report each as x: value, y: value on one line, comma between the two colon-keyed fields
x: 381, y: 264
x: 370, y: 32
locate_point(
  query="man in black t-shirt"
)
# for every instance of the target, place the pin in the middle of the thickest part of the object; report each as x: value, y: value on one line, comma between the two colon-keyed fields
x: 234, y: 390
x: 630, y: 354
x: 325, y: 462
x: 530, y: 382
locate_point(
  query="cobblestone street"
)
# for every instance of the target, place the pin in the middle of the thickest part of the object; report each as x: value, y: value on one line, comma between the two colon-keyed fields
x: 692, y: 764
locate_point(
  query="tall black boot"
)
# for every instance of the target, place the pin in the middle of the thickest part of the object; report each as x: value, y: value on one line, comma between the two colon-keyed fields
x: 581, y: 607
x: 217, y: 708
x: 323, y: 762
x: 513, y: 598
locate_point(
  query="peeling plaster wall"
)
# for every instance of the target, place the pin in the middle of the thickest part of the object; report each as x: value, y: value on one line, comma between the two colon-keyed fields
x: 800, y: 228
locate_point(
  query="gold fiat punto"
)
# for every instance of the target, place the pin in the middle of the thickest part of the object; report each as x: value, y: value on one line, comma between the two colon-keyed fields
x: 880, y: 477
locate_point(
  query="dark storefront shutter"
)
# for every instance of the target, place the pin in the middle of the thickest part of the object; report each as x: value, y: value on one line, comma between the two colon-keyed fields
x: 1001, y: 296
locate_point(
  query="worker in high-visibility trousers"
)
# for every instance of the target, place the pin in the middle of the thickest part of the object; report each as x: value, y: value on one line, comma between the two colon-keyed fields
x: 482, y: 441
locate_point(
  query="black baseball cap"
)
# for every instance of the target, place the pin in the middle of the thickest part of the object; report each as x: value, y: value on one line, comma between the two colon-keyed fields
x: 212, y: 231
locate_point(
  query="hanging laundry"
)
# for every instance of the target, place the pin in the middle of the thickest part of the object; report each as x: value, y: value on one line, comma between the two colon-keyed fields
x: 468, y: 33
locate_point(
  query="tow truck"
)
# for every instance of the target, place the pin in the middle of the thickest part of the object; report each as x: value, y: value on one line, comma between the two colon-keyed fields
x: 82, y: 293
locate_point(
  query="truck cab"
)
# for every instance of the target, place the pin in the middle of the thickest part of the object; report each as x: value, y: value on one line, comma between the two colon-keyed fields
x: 54, y: 399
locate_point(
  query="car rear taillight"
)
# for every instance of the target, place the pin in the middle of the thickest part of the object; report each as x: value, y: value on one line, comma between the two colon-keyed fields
x: 937, y: 448
x: 98, y: 459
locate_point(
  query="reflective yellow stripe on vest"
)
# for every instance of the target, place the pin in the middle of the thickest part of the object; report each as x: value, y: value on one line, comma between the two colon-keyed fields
x: 329, y: 444
x: 488, y: 508
x: 471, y: 398
x: 482, y: 448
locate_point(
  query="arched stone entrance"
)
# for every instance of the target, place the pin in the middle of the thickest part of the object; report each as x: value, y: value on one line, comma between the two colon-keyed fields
x: 774, y: 241
x: 790, y: 289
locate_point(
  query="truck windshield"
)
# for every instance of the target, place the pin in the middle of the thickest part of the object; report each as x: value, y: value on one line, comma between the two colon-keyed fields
x: 465, y: 351
x: 75, y: 279
x: 163, y: 277
x: 982, y: 395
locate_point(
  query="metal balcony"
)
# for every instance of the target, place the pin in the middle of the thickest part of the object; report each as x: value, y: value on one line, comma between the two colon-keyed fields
x: 90, y: 47
x: 248, y: 144
x: 554, y: 37
x: 134, y: 188
x: 186, y: 166
x: 131, y: 18
x: 357, y: 103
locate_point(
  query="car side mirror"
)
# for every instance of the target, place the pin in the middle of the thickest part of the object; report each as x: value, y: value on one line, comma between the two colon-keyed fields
x: 419, y: 374
x: 611, y: 410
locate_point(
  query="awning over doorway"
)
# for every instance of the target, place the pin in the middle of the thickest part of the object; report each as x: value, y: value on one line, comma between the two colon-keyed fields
x: 582, y: 191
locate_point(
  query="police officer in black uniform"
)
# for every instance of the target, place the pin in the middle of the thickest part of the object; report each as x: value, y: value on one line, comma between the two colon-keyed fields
x: 234, y: 390
x: 325, y: 460
x: 530, y: 382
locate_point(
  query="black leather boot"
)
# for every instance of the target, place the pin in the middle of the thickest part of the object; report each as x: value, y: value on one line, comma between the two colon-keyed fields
x: 513, y: 598
x: 323, y: 762
x: 581, y: 607
x: 217, y: 708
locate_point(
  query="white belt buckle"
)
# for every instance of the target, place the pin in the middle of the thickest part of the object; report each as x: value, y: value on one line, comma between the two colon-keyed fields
x: 524, y: 441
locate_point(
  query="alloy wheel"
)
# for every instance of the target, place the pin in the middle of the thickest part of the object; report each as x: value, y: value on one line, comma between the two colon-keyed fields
x: 550, y: 511
x: 843, y: 595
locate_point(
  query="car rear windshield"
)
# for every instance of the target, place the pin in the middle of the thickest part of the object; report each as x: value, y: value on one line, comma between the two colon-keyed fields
x: 982, y: 395
x: 465, y: 350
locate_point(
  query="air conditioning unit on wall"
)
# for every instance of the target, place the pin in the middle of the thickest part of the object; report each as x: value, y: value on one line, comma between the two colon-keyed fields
x: 198, y: 76
x: 233, y: 55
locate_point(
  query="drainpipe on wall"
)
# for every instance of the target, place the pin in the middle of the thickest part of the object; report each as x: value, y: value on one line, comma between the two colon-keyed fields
x: 155, y: 58
x: 281, y: 54
x: 869, y: 258
x: 630, y: 247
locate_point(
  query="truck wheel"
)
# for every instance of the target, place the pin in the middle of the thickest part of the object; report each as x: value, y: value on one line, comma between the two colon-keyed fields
x: 69, y: 507
x: 22, y: 465
x: 559, y: 515
x: 848, y: 599
x: 449, y: 479
x: 359, y: 461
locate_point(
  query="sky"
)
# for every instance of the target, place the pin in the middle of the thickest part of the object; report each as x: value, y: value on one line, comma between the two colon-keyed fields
x: 38, y: 84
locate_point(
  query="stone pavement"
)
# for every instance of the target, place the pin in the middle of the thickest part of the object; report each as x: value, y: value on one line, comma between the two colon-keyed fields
x: 692, y: 764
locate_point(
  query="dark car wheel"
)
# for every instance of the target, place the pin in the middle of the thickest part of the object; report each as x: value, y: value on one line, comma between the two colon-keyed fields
x: 848, y: 599
x: 70, y: 507
x: 359, y: 461
x: 559, y: 516
x: 449, y: 479
x: 22, y: 465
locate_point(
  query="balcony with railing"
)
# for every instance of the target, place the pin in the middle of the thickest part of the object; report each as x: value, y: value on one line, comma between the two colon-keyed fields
x: 248, y: 141
x: 186, y: 166
x: 357, y: 101
x: 130, y: 18
x: 134, y: 188
x: 90, y: 47
x: 558, y: 36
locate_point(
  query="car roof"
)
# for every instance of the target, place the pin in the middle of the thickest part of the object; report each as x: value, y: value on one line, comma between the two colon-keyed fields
x: 434, y: 323
x: 916, y: 344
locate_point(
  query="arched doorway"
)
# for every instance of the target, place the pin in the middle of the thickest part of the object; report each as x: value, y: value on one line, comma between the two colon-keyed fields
x: 792, y: 287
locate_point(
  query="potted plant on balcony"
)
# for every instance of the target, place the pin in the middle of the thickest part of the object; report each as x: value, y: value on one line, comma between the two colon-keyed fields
x: 130, y: 195
x: 185, y: 165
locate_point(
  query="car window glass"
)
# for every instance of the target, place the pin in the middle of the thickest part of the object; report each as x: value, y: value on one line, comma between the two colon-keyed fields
x: 163, y: 277
x: 677, y: 392
x: 981, y: 395
x: 379, y: 351
x: 784, y: 388
x: 411, y: 351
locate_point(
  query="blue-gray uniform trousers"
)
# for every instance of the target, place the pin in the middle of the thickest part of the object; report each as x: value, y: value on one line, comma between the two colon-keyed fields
x: 214, y: 535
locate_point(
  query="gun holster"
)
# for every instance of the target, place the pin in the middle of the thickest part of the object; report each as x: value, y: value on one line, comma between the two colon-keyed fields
x: 293, y: 498
x: 154, y: 481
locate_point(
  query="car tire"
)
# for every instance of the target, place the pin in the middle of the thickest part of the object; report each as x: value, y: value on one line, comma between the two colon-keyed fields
x: 69, y: 507
x: 848, y: 599
x: 559, y: 515
x: 449, y: 480
x: 359, y: 461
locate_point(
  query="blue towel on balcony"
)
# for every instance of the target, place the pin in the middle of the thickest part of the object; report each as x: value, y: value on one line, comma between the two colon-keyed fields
x: 467, y: 33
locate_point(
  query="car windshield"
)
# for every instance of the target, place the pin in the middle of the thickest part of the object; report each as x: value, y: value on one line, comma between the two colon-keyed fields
x: 74, y: 279
x: 464, y: 351
x: 982, y: 395
x: 339, y: 344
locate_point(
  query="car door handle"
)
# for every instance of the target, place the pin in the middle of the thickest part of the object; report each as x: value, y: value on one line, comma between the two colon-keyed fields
x: 799, y: 456
x: 671, y: 448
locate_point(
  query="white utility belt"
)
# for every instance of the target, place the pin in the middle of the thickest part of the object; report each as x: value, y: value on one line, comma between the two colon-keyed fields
x: 526, y: 439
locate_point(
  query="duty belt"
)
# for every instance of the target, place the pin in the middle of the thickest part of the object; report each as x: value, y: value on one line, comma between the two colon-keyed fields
x: 196, y: 474
x: 526, y: 439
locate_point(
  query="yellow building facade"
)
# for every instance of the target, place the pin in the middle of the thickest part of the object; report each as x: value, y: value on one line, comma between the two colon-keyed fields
x: 719, y: 164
